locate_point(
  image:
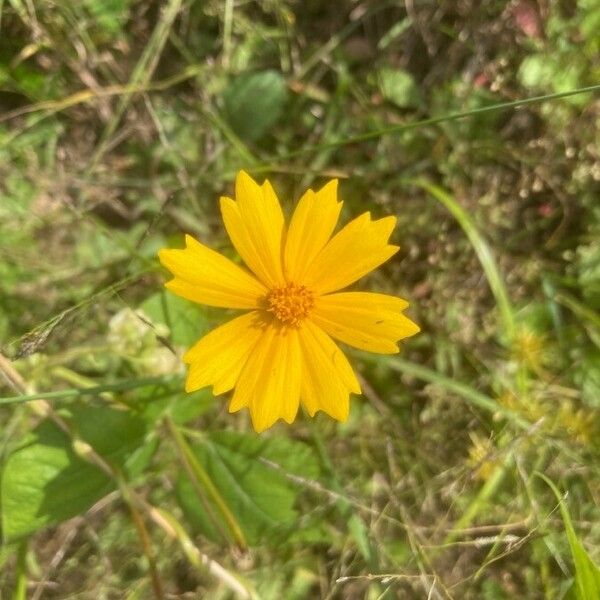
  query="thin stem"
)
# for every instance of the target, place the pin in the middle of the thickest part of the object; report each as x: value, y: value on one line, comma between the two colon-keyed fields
x: 202, y: 482
x: 144, y: 536
x: 378, y: 133
x: 117, y: 386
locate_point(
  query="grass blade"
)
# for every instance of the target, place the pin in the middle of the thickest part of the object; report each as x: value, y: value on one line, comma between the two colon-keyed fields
x: 483, y: 250
x: 587, y: 573
x: 463, y: 390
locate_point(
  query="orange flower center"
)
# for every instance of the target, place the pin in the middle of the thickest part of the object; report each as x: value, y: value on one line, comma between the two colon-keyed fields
x: 290, y: 303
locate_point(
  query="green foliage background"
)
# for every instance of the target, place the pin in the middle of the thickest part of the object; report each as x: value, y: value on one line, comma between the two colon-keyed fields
x: 122, y: 122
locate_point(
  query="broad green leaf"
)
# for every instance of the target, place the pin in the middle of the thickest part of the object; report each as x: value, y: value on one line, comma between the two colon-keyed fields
x: 587, y: 574
x: 399, y: 87
x: 45, y: 482
x: 254, y: 102
x: 261, y: 497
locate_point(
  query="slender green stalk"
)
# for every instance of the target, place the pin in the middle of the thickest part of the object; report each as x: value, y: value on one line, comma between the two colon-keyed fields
x: 144, y: 536
x: 394, y: 129
x: 20, y: 590
x: 203, y: 482
x: 117, y: 386
x: 227, y: 28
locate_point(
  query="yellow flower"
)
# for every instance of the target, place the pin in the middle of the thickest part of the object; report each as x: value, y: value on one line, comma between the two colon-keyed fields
x: 281, y: 352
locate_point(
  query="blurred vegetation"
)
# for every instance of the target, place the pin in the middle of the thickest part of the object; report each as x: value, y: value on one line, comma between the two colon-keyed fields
x: 121, y: 123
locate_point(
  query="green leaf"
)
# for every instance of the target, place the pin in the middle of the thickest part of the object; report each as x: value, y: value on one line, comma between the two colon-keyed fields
x: 260, y: 496
x: 360, y: 533
x: 169, y: 398
x: 536, y: 70
x: 556, y: 72
x: 109, y: 15
x: 254, y: 102
x: 587, y: 574
x: 45, y: 482
x: 186, y: 320
x: 399, y: 87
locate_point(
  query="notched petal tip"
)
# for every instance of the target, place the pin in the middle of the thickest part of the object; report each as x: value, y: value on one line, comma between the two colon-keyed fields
x: 226, y: 202
x: 331, y: 187
x: 355, y: 388
x: 358, y: 248
x: 268, y: 187
x: 255, y: 224
x: 262, y: 425
x: 339, y: 414
x: 259, y: 421
x: 411, y: 328
x: 190, y: 386
x: 164, y: 254
x: 289, y: 419
x: 342, y: 418
x: 191, y: 242
x: 233, y: 408
x: 243, y: 175
x: 244, y: 185
x: 389, y: 220
x: 220, y: 388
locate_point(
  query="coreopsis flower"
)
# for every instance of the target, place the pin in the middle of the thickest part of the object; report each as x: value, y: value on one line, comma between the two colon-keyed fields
x: 281, y: 353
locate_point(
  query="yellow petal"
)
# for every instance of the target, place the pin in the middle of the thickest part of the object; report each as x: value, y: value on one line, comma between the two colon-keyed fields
x: 358, y: 248
x: 207, y: 277
x: 217, y: 359
x: 311, y: 227
x: 327, y: 377
x: 256, y: 226
x: 368, y: 321
x: 269, y: 384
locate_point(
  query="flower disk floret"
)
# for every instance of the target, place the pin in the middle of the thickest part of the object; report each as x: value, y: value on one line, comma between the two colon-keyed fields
x: 290, y: 303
